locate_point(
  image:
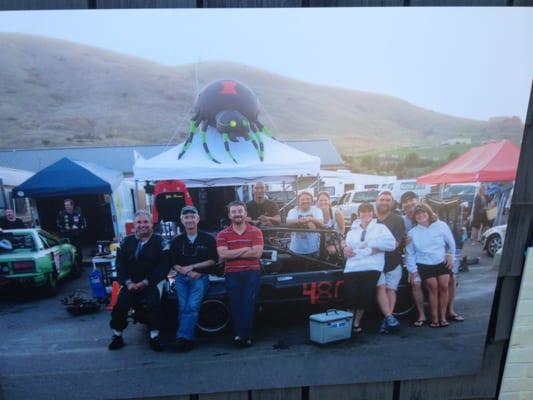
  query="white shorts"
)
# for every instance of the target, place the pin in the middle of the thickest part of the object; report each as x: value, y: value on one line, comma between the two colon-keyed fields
x: 391, y: 279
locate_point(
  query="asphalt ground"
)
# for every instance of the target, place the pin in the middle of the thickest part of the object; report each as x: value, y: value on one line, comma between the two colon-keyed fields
x: 45, y: 353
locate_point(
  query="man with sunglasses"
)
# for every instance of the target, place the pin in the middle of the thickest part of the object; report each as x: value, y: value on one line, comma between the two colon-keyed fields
x: 190, y: 254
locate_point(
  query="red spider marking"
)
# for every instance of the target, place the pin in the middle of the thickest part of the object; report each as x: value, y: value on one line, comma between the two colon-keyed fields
x: 229, y: 88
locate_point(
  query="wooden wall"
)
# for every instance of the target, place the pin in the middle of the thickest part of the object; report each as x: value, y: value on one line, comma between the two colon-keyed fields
x: 486, y: 384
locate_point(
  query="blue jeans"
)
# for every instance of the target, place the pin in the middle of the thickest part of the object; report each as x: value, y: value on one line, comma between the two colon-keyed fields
x: 242, y: 289
x: 190, y: 293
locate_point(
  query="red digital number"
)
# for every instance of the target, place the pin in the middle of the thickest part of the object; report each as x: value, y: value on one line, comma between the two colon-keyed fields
x: 309, y: 289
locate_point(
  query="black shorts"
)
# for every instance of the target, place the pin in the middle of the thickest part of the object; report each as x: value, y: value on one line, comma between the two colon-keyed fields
x: 433, y: 271
x: 359, y: 289
x: 480, y: 219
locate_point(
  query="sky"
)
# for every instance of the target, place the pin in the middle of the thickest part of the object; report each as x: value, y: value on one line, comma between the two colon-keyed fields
x: 468, y: 62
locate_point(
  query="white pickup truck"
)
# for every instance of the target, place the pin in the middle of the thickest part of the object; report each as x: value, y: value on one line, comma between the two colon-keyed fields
x: 350, y: 201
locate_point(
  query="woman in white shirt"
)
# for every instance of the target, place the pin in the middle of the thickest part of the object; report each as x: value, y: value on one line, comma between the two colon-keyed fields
x: 366, y: 243
x: 430, y: 253
x: 333, y: 219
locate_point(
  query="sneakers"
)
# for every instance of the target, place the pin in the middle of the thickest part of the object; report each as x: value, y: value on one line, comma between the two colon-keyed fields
x: 183, y: 345
x: 242, y: 343
x: 383, y: 327
x: 392, y: 322
x: 116, y: 343
x: 155, y: 345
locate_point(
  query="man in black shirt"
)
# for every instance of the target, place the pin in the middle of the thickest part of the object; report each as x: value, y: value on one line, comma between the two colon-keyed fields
x: 190, y: 254
x: 71, y: 224
x: 392, y: 271
x: 262, y: 211
x: 9, y: 221
x: 141, y: 264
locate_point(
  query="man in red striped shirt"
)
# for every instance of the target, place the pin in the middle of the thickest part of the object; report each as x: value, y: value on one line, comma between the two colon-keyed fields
x: 241, y: 246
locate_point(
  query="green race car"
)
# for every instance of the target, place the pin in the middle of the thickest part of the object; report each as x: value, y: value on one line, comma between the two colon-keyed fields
x: 34, y: 257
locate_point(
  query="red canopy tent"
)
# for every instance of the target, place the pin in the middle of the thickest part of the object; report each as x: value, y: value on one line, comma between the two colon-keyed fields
x: 492, y: 162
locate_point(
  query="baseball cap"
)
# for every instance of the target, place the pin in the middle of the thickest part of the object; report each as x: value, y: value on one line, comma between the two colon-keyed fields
x: 408, y: 196
x: 189, y: 210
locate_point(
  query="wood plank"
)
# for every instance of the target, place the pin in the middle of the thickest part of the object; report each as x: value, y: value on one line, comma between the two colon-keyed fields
x: 356, y: 3
x: 277, y: 394
x: 224, y: 396
x: 455, y: 3
x: 482, y: 385
x: 367, y: 391
x: 145, y: 3
x: 43, y: 4
x: 250, y: 3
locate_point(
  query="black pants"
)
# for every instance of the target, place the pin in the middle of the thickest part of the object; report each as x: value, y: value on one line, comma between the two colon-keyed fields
x: 126, y: 299
x: 359, y: 289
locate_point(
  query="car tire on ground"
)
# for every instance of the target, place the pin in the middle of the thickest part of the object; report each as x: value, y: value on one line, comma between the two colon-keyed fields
x: 494, y: 243
x: 404, y: 300
x: 214, y: 316
x: 51, y: 287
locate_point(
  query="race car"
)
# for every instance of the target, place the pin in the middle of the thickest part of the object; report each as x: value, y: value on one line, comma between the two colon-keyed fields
x: 287, y: 279
x: 34, y: 257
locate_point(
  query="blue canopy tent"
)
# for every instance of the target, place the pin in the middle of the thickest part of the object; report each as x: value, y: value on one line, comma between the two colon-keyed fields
x: 72, y: 179
x: 67, y: 177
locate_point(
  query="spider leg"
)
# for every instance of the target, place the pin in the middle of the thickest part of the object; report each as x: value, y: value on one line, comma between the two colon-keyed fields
x: 226, y: 146
x: 188, y: 142
x: 203, y: 129
x: 261, y: 148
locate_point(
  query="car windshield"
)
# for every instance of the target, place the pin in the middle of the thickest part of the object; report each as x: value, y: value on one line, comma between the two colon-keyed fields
x: 460, y: 189
x: 17, y: 243
x: 368, y: 195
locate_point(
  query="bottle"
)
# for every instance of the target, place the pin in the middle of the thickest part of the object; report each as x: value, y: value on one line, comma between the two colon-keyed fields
x: 96, y: 281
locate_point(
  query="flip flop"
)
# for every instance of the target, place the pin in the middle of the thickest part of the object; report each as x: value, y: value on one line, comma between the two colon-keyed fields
x: 357, y: 329
x: 456, y: 318
x: 434, y: 325
x: 443, y: 324
x: 419, y: 323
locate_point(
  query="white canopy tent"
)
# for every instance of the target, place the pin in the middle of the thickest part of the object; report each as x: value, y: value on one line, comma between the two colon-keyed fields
x: 281, y: 163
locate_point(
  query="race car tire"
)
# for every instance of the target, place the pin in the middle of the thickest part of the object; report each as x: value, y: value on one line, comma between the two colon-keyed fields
x: 214, y: 316
x: 404, y: 300
x: 52, y: 285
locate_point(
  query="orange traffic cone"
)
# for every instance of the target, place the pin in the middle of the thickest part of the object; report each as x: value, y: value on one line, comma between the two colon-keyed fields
x: 115, y: 288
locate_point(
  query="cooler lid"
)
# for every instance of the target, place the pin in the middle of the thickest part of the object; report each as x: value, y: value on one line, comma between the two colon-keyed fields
x: 331, y: 315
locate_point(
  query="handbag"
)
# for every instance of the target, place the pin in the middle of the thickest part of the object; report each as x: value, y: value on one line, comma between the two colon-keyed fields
x: 492, y: 213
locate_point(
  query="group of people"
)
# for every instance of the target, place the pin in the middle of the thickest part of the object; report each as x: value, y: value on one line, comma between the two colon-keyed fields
x: 144, y: 260
x: 373, y: 248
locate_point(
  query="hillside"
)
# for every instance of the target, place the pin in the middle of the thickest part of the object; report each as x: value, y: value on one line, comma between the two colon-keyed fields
x: 58, y: 93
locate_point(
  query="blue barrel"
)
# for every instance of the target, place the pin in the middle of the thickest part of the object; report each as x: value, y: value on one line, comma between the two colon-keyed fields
x: 97, y: 284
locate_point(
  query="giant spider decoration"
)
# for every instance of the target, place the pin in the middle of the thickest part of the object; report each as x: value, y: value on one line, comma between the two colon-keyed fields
x: 232, y: 108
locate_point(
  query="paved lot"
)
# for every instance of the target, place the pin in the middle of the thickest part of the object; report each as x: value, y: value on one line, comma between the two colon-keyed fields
x: 46, y: 353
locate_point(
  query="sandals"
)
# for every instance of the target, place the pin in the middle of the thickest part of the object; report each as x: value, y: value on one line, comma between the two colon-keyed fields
x: 443, y: 324
x: 434, y: 324
x: 357, y: 329
x: 419, y: 323
x: 456, y: 318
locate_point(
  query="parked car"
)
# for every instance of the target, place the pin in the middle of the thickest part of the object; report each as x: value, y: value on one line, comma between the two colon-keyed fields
x: 287, y: 280
x: 350, y: 201
x: 492, y: 239
x: 34, y: 257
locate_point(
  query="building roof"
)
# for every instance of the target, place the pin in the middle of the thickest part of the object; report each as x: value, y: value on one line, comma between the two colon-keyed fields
x: 120, y: 158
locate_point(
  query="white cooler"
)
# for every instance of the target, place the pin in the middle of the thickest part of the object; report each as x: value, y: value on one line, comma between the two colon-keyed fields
x: 331, y: 326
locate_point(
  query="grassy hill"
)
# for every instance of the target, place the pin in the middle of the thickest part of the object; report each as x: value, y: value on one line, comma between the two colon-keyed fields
x: 57, y: 93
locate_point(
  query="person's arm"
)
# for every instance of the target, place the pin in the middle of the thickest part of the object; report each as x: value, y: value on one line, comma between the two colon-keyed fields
x: 450, y: 242
x: 384, y: 241
x: 410, y: 253
x: 292, y: 218
x: 340, y: 221
x: 161, y: 269
x: 212, y: 256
